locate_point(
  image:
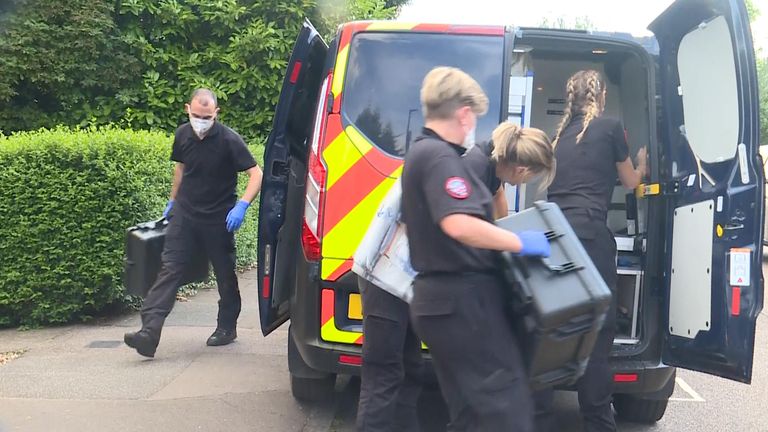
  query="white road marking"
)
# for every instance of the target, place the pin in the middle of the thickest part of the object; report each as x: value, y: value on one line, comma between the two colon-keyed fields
x: 695, y: 397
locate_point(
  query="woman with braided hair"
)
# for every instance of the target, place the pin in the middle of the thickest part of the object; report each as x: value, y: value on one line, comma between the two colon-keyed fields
x: 592, y: 153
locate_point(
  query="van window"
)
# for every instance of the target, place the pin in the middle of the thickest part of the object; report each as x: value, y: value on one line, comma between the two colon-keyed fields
x: 707, y: 68
x: 384, y: 75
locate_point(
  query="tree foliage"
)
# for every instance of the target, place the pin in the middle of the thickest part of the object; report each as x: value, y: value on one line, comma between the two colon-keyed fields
x: 578, y: 23
x: 134, y: 62
x: 61, y: 63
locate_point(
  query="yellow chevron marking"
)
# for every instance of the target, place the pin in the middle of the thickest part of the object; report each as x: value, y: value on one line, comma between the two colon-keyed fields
x: 390, y: 25
x: 362, y: 143
x: 329, y: 266
x: 339, y: 71
x: 330, y: 333
x: 339, y: 157
x: 345, y: 237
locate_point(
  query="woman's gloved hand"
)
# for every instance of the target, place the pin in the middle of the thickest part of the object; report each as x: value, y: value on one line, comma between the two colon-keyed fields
x: 535, y: 244
x: 237, y: 215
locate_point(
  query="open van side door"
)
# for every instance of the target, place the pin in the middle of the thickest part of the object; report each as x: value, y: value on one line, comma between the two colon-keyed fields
x: 712, y: 184
x: 281, y: 203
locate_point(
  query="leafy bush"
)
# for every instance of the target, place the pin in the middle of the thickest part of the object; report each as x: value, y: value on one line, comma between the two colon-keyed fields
x: 65, y: 201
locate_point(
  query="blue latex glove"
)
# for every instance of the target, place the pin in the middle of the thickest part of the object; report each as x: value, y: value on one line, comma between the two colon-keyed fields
x: 535, y: 244
x: 168, y: 210
x: 237, y: 215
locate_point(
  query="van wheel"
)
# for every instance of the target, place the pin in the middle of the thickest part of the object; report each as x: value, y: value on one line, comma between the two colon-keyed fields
x: 638, y: 410
x: 307, y: 384
x: 312, y: 389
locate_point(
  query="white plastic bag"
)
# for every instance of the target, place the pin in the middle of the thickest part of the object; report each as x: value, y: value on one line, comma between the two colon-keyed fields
x: 383, y: 257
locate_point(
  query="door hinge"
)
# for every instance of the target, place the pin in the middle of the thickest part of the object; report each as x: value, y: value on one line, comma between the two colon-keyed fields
x: 657, y: 189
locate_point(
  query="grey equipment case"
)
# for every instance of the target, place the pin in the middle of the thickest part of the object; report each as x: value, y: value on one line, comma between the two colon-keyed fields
x: 557, y: 305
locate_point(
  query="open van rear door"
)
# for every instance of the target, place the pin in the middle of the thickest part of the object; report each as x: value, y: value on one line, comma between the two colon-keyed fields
x: 282, y: 194
x: 713, y: 181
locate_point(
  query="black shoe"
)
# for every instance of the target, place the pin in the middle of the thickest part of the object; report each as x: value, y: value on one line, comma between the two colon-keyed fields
x: 222, y: 337
x: 142, y: 342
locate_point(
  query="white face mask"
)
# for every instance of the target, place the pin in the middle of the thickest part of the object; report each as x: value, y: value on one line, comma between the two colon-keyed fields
x: 469, y: 140
x: 200, y: 126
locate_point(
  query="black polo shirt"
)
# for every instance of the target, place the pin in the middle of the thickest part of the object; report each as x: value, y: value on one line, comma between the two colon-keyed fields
x: 586, y: 172
x: 479, y: 160
x: 208, y: 187
x: 439, y: 182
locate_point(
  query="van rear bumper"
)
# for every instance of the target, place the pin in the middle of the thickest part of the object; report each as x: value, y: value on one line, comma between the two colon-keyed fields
x: 323, y: 357
x: 654, y: 380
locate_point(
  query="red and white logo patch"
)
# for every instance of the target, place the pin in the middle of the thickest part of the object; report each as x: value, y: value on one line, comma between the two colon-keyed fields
x: 458, y: 188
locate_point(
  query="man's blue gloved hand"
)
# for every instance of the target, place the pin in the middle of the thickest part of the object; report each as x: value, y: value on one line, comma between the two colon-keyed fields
x: 168, y: 209
x: 535, y: 244
x: 237, y: 215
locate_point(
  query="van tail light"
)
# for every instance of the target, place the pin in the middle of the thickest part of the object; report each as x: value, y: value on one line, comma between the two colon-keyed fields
x: 625, y: 378
x: 311, y: 235
x: 350, y: 360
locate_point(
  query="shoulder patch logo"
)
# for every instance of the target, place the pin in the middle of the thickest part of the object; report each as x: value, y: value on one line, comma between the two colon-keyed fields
x: 458, y: 188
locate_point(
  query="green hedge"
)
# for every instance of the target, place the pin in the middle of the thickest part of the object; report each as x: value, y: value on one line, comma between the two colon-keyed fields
x: 65, y: 201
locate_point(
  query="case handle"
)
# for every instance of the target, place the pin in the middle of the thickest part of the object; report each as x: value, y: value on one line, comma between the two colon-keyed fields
x: 153, y: 224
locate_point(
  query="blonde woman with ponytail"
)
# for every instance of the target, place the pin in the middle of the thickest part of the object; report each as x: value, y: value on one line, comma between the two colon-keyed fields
x: 522, y: 155
x: 593, y: 154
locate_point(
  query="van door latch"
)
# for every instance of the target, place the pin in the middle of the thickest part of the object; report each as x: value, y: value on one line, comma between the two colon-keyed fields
x: 657, y: 189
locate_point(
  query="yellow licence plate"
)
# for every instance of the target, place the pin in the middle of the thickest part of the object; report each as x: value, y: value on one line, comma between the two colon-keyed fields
x: 355, y: 310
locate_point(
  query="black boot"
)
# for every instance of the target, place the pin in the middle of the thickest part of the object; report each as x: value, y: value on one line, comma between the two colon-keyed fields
x: 142, y: 342
x: 222, y: 337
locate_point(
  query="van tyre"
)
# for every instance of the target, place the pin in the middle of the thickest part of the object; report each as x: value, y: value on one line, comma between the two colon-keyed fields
x: 312, y: 389
x: 307, y: 384
x: 638, y: 410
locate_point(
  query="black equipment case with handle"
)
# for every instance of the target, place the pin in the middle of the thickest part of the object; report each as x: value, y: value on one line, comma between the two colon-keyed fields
x: 557, y: 305
x: 143, y: 249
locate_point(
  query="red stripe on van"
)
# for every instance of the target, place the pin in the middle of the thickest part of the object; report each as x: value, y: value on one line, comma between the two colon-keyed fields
x: 348, y: 191
x: 359, y: 180
x: 333, y: 129
x: 349, y: 30
x: 341, y: 271
x: 326, y: 306
x: 432, y: 28
x: 478, y: 30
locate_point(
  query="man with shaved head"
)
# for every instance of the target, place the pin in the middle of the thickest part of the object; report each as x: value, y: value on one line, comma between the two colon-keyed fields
x: 203, y: 214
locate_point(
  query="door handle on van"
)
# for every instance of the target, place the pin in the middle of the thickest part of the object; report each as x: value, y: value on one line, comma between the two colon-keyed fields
x: 733, y: 226
x: 279, y: 169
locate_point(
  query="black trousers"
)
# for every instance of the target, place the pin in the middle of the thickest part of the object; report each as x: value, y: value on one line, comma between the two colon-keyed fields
x: 476, y: 357
x: 392, y: 364
x: 595, y: 387
x: 183, y: 238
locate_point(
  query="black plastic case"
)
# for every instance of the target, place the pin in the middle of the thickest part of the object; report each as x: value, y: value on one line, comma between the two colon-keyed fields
x: 558, y: 305
x: 143, y: 249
